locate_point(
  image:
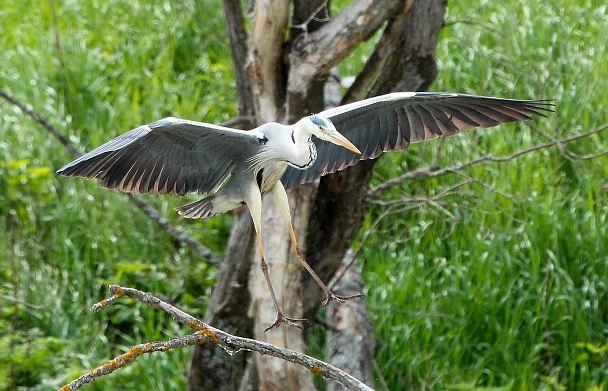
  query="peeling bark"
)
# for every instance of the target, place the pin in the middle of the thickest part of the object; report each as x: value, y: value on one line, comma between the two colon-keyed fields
x: 266, y: 45
x: 285, y: 79
x: 410, y: 68
x: 351, y: 346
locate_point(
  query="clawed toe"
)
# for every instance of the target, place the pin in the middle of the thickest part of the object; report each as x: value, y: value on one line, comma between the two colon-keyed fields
x: 338, y: 299
x: 288, y: 321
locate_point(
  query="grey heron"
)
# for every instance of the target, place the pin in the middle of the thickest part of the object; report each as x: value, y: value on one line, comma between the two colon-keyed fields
x: 233, y: 167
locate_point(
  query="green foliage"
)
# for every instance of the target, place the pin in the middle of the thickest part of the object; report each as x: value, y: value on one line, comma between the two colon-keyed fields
x: 118, y: 64
x: 501, y: 284
x: 31, y: 359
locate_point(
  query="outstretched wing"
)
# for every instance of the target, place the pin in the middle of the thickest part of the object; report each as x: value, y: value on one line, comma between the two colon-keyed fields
x: 170, y: 156
x: 391, y: 122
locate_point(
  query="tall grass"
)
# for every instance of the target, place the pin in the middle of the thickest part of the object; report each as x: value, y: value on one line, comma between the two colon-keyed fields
x: 509, y: 295
x: 511, y: 292
x: 118, y: 64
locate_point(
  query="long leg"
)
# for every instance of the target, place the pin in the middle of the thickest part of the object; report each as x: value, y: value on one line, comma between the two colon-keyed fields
x: 254, y: 202
x: 280, y: 197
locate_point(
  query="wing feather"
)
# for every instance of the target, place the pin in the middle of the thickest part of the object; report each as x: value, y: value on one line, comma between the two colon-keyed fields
x: 170, y: 156
x: 391, y: 122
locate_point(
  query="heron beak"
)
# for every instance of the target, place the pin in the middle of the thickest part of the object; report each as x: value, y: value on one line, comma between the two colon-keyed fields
x: 335, y: 137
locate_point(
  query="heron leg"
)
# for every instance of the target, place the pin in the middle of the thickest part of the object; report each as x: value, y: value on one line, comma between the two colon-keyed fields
x: 280, y: 196
x: 254, y: 202
x: 280, y: 317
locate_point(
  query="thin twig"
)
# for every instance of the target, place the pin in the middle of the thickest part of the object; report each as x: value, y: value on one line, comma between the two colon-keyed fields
x: 241, y: 122
x: 25, y: 303
x: 434, y: 172
x: 304, y: 25
x: 473, y: 23
x: 204, y: 333
x: 354, y: 254
x: 45, y: 124
x: 148, y: 209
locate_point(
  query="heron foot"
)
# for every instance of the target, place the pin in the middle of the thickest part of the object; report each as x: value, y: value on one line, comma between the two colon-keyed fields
x: 288, y: 321
x: 338, y: 299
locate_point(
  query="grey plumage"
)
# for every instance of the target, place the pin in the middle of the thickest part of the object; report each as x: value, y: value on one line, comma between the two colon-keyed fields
x: 392, y: 122
x: 176, y: 156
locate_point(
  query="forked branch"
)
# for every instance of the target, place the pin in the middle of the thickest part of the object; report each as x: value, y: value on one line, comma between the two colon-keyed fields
x: 316, y: 53
x: 435, y: 171
x: 203, y: 333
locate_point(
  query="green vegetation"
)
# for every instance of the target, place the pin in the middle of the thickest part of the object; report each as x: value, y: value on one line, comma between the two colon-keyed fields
x: 509, y: 293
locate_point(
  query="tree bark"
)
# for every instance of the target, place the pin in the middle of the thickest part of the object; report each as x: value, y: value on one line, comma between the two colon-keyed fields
x: 266, y: 44
x: 351, y: 343
x: 210, y: 367
x: 340, y: 203
x: 286, y: 79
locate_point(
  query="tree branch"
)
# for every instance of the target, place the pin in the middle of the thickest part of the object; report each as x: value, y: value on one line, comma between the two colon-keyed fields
x: 204, y: 333
x: 237, y: 34
x: 385, y: 48
x: 316, y: 53
x: 45, y: 124
x: 434, y: 171
x: 143, y: 205
x: 265, y: 65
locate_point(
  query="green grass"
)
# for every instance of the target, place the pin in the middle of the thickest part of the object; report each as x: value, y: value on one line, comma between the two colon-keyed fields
x: 510, y: 295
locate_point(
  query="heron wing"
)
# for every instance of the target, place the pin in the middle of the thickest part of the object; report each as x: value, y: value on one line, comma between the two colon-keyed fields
x: 170, y: 156
x: 392, y: 122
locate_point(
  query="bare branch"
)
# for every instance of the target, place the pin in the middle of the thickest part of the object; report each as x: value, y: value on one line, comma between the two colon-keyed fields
x: 432, y: 172
x: 392, y: 37
x: 235, y: 21
x: 162, y: 222
x: 316, y: 53
x: 118, y: 362
x: 265, y: 65
x: 45, y: 124
x: 25, y: 303
x: 240, y: 122
x: 303, y: 25
x: 204, y: 333
x: 473, y: 23
x: 143, y: 205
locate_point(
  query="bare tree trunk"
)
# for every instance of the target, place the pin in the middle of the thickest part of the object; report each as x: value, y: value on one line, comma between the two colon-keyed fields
x: 404, y: 60
x: 210, y: 367
x: 351, y: 344
x: 286, y: 79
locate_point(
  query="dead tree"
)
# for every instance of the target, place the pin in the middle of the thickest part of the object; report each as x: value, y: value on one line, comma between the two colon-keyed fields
x: 282, y: 79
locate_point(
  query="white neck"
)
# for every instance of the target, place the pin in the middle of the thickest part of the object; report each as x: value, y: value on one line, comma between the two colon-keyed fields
x: 305, y: 150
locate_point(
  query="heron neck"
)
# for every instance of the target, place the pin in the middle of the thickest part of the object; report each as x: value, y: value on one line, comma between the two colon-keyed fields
x: 305, y: 149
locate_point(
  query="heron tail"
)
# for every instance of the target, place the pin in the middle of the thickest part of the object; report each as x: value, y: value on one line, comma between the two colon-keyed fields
x: 208, y: 206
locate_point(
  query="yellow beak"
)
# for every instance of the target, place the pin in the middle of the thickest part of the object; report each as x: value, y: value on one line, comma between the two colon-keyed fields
x: 337, y: 138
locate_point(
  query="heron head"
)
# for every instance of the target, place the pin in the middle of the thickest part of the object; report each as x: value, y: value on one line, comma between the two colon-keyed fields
x: 324, y: 129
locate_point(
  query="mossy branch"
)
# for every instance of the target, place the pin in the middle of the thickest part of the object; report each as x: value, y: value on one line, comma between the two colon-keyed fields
x: 203, y: 333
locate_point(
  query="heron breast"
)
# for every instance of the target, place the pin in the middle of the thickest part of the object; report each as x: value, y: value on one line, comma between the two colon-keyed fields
x: 308, y: 158
x: 268, y: 176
